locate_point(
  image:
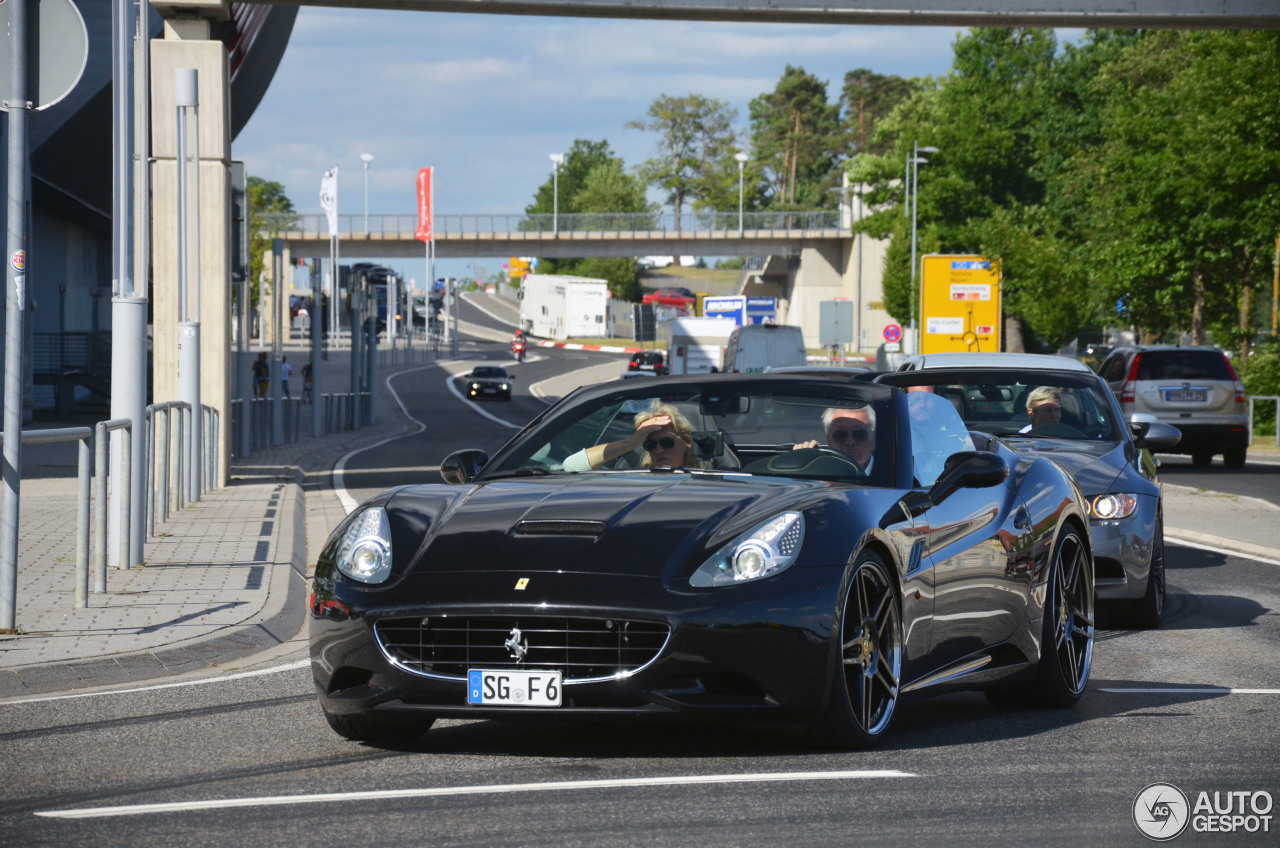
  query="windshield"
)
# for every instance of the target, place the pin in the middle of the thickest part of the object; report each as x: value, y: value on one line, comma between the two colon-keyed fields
x: 489, y: 372
x: 819, y: 430
x: 1072, y: 406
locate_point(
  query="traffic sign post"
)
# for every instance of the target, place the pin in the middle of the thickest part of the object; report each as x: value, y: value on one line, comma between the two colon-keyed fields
x: 960, y: 296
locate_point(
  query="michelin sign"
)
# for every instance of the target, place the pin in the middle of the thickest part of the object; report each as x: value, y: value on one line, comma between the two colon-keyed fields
x: 743, y: 310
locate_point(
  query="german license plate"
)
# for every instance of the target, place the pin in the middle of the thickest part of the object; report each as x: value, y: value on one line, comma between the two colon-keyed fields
x: 1184, y: 395
x: 508, y: 688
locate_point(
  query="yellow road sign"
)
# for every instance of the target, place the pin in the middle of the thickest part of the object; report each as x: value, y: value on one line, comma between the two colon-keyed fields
x: 960, y: 304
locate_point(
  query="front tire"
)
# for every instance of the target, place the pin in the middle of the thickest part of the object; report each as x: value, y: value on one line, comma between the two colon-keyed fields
x: 865, y: 682
x: 1066, y: 652
x: 1148, y: 611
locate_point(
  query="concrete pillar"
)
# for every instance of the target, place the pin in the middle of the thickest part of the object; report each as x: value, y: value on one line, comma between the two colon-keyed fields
x: 187, y: 45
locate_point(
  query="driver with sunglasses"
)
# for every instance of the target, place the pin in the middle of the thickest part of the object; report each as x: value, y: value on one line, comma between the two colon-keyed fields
x: 850, y: 431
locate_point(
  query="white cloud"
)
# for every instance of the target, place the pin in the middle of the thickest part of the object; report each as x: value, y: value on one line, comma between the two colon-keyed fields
x: 486, y: 98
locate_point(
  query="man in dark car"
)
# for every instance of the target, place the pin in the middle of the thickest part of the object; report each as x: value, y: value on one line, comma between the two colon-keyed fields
x: 850, y: 431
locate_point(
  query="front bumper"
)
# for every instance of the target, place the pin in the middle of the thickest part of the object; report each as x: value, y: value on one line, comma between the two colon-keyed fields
x: 752, y: 652
x: 1122, y: 552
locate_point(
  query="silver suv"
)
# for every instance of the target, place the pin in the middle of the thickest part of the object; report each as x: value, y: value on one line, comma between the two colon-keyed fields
x: 1193, y: 388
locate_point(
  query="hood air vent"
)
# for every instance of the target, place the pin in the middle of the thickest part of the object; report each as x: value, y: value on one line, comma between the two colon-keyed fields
x: 561, y: 527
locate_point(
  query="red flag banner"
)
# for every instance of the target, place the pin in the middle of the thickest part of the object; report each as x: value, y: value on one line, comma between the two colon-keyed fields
x: 424, y: 204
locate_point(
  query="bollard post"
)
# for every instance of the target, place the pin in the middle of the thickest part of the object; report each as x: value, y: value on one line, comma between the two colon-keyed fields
x: 82, y: 525
x: 100, y: 506
x: 123, y: 492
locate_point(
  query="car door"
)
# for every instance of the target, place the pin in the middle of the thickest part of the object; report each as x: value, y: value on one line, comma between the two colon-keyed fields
x: 974, y: 543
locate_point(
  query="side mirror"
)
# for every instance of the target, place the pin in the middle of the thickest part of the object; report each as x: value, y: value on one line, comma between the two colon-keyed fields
x: 969, y: 470
x: 463, y: 466
x: 1152, y: 434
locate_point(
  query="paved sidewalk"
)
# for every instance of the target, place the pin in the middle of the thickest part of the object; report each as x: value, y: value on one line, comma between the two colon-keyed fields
x: 225, y: 578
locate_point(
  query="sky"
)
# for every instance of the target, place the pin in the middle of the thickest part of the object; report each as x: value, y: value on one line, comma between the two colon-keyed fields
x: 487, y: 98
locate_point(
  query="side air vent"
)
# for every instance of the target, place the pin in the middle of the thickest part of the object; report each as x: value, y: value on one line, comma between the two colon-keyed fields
x: 561, y: 527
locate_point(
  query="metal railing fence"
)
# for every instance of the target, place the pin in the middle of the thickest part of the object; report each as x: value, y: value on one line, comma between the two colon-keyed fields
x: 83, y: 435
x: 1274, y: 399
x: 689, y: 223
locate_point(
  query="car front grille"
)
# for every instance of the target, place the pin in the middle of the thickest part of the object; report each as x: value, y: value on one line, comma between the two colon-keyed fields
x: 580, y: 648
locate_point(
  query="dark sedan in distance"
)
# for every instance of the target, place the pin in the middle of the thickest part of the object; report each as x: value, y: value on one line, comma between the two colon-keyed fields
x: 488, y: 381
x: 680, y: 549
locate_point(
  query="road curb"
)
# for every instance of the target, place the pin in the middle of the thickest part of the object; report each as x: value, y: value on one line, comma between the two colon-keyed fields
x: 1195, y: 537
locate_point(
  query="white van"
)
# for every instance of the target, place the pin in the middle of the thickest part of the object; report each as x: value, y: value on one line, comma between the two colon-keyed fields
x: 756, y: 347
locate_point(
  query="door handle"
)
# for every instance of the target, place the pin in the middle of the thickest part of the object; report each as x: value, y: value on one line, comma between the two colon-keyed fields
x: 1022, y: 518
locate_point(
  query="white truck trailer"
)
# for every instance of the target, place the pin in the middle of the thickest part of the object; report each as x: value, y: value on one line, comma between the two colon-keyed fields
x: 696, y: 345
x: 558, y: 306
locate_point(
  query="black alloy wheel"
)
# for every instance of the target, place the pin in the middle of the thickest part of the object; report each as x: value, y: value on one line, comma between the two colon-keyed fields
x: 866, y: 682
x: 1067, y: 650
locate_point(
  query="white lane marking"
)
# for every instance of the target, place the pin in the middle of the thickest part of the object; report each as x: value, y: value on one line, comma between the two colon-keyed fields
x: 339, y: 488
x: 180, y: 684
x: 1173, y: 540
x: 471, y: 298
x: 504, y: 788
x: 1210, y: 690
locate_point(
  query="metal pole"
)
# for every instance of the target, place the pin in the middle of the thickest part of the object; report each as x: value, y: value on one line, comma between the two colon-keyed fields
x: 317, y: 423
x: 128, y: 306
x: 277, y: 342
x: 15, y: 311
x: 186, y: 97
x: 915, y: 200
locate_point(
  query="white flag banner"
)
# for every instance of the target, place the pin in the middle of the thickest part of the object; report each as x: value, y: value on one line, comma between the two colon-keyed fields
x: 329, y: 198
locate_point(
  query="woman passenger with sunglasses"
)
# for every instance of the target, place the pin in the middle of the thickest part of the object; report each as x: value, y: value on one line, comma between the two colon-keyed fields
x: 661, y: 430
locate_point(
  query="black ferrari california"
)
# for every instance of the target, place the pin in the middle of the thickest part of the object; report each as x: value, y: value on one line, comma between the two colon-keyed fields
x: 742, y: 548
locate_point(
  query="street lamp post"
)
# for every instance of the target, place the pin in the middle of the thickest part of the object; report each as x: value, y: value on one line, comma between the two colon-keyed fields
x: 367, y: 157
x: 742, y: 162
x: 557, y: 159
x: 913, y: 188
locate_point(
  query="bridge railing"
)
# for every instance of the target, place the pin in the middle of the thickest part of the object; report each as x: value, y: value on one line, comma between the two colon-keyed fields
x: 691, y: 223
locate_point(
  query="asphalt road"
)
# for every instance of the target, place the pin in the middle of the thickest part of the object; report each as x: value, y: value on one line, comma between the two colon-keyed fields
x: 250, y: 761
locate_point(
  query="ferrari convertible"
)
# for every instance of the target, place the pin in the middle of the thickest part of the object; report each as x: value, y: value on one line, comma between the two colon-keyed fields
x: 736, y: 548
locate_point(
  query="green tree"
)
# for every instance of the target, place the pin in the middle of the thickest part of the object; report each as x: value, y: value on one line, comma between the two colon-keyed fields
x: 1184, y: 183
x: 582, y: 157
x: 696, y: 137
x: 795, y: 134
x: 865, y: 99
x: 595, y: 186
x: 266, y: 197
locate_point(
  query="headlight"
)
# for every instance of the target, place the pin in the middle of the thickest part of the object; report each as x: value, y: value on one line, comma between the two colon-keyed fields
x: 475, y: 387
x: 763, y: 552
x: 1107, y: 507
x: 364, y: 552
x: 506, y: 387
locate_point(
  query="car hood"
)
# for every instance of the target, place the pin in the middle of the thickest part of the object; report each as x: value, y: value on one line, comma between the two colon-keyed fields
x: 1095, y: 465
x: 637, y: 523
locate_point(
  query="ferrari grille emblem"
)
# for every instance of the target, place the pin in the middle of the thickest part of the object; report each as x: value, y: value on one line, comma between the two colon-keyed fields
x: 522, y: 584
x: 517, y: 644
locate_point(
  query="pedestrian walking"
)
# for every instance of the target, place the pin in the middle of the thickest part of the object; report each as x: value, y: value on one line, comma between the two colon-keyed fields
x: 286, y: 371
x: 306, y: 382
x: 261, y: 375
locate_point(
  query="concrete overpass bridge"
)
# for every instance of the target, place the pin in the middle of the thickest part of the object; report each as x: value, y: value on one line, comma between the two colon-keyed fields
x: 564, y: 236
